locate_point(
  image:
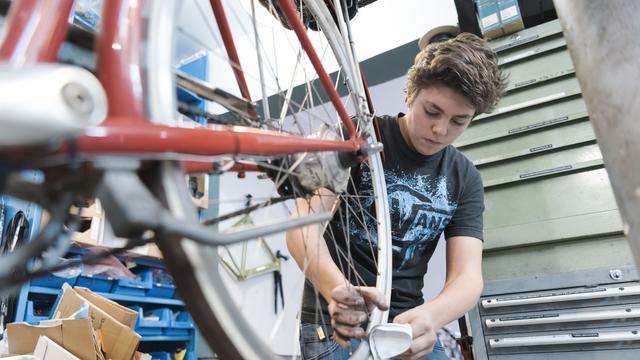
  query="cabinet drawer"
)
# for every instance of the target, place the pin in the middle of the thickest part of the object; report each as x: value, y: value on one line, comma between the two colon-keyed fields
x: 566, y: 110
x: 550, y: 209
x: 522, y: 39
x: 544, y: 67
x: 571, y: 319
x: 534, y: 96
x: 541, y: 164
x: 531, y: 143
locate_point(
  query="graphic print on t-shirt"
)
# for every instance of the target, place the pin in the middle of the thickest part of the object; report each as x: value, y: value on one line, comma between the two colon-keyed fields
x: 419, y: 210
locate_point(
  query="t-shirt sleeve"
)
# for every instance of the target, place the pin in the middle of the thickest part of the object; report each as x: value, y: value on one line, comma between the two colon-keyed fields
x: 467, y: 219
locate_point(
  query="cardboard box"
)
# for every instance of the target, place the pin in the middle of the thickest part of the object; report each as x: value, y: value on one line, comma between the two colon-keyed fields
x: 100, y: 232
x: 510, y: 16
x: 118, y: 340
x: 498, y: 17
x: 95, y: 216
x: 47, y: 349
x: 489, y: 18
x: 122, y: 314
x: 154, y: 252
x: 142, y: 356
x: 91, y: 208
x: 110, y: 240
x: 200, y: 185
x: 77, y: 336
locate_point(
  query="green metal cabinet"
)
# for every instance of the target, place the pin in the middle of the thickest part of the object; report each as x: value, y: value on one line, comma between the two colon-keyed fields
x: 537, y: 154
x: 552, y: 226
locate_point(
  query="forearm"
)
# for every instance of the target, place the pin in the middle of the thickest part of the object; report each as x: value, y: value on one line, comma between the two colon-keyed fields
x: 458, y: 296
x: 308, y: 247
x: 310, y: 252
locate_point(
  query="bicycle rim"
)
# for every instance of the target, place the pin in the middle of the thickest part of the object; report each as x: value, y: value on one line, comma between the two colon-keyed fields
x: 201, y: 278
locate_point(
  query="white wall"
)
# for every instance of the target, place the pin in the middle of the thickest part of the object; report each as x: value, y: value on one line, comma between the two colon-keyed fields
x: 255, y: 296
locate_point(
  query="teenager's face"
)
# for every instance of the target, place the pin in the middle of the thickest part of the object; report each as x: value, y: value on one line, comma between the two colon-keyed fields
x: 435, y: 119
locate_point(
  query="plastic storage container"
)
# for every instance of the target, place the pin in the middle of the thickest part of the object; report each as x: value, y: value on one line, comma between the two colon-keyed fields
x: 135, y: 287
x: 180, y: 325
x: 52, y: 281
x: 163, y: 355
x: 152, y: 322
x: 96, y: 283
x: 34, y: 317
x: 161, y: 290
x: 162, y: 286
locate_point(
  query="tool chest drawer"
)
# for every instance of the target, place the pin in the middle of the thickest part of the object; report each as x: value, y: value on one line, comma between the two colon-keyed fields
x: 604, y: 317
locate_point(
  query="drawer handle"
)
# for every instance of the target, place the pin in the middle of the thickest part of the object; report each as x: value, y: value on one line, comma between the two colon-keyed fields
x: 530, y: 103
x: 565, y: 339
x: 539, y: 319
x: 584, y: 294
x: 546, y: 172
x: 516, y: 43
x: 524, y: 83
x: 540, y: 148
x: 540, y: 124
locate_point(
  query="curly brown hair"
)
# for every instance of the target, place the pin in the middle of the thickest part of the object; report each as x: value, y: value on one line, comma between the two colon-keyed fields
x: 466, y: 64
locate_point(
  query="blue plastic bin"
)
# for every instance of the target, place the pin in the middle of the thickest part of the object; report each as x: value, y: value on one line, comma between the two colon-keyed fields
x: 31, y: 317
x: 162, y: 286
x: 96, y: 283
x: 163, y: 355
x: 135, y: 287
x: 181, y: 324
x: 152, y: 327
x: 160, y: 290
x: 52, y: 281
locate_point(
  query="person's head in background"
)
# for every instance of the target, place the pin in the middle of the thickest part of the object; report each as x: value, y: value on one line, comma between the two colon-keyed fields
x: 450, y: 83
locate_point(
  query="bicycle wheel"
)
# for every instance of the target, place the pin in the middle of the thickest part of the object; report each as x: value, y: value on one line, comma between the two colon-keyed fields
x: 219, y: 304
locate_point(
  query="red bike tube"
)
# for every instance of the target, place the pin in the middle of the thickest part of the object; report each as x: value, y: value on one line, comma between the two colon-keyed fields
x: 35, y: 30
x: 123, y: 137
x: 230, y: 46
x: 290, y: 12
x: 196, y: 167
x: 119, y: 62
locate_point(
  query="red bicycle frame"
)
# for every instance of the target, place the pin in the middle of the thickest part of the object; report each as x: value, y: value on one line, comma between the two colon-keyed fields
x: 37, y: 28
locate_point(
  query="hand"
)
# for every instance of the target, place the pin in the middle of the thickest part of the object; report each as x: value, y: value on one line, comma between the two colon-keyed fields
x: 349, y: 307
x: 424, y: 333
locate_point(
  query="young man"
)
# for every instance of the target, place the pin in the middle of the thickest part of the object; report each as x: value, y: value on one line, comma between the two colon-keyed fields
x: 431, y: 188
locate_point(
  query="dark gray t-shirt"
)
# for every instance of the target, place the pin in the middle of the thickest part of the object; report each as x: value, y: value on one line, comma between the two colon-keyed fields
x: 427, y: 194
